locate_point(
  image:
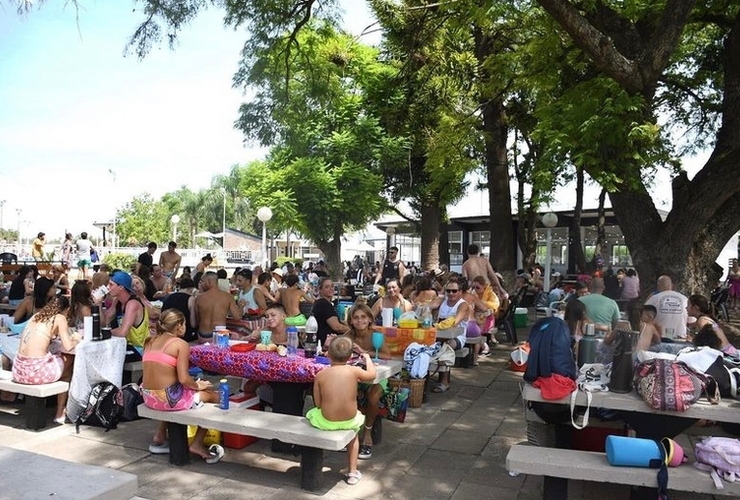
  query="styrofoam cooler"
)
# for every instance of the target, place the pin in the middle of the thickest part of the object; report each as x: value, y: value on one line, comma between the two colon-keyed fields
x: 520, y: 317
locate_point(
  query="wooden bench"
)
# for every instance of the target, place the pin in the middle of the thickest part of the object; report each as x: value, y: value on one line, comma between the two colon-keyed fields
x: 29, y: 475
x: 267, y: 425
x: 35, y: 404
x: 593, y: 466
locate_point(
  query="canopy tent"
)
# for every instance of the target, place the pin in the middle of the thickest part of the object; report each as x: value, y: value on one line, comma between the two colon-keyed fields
x: 207, y: 234
x: 363, y: 246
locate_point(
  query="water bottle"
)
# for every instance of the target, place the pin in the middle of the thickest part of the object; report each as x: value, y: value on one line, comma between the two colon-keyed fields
x: 587, y: 346
x: 96, y: 335
x: 292, y: 340
x: 223, y: 394
x: 312, y: 329
x: 425, y: 316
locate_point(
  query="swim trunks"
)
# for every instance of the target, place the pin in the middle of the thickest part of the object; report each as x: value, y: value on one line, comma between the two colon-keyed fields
x: 298, y: 320
x: 317, y: 420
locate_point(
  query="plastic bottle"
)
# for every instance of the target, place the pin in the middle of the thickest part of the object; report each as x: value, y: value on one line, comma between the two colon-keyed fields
x: 587, y: 346
x: 312, y: 329
x: 425, y: 316
x: 292, y: 340
x: 223, y: 394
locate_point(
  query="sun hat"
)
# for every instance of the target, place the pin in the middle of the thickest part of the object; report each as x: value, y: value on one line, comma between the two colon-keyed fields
x: 277, y: 271
x: 122, y: 279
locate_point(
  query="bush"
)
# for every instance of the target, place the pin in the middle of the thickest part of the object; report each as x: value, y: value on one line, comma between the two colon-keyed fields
x: 123, y: 261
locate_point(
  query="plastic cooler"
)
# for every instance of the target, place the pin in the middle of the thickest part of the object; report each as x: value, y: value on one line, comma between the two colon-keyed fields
x: 343, y: 307
x: 520, y: 317
x: 248, y: 402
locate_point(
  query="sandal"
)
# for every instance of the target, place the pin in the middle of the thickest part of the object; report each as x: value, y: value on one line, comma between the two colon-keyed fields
x: 440, y: 388
x: 159, y: 449
x: 354, y: 477
x: 216, y: 452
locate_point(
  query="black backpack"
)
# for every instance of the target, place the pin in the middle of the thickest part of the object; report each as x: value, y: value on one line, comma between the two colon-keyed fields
x: 104, y: 407
x: 131, y: 400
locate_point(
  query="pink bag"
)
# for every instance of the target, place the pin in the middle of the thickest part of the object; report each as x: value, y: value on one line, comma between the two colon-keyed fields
x: 669, y: 385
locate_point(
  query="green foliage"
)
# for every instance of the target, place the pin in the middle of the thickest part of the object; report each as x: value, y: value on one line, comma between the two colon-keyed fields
x: 120, y: 260
x: 143, y: 219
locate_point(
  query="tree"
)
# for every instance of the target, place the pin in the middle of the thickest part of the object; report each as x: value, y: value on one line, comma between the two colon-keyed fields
x: 660, y: 59
x: 143, y: 219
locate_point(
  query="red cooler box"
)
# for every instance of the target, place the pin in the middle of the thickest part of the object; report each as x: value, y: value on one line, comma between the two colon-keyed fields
x: 248, y: 402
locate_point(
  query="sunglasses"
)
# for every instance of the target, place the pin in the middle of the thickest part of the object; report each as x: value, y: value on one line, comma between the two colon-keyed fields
x: 451, y: 290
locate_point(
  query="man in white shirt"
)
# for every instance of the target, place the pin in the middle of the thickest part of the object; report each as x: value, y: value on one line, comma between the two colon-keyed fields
x: 672, y: 316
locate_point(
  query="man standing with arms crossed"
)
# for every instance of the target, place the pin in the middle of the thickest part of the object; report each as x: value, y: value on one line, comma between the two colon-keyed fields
x: 169, y: 261
x: 211, y: 308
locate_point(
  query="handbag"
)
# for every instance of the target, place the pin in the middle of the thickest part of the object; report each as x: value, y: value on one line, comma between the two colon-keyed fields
x: 394, y: 403
x: 592, y: 377
x: 671, y: 385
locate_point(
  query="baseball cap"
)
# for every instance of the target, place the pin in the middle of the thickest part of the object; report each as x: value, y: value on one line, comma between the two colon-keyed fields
x: 122, y: 279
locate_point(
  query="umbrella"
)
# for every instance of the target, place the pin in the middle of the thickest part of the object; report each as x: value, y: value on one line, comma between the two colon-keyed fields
x: 363, y: 246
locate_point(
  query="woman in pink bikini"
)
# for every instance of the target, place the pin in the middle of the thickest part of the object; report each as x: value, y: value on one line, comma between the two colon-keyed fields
x: 167, y: 385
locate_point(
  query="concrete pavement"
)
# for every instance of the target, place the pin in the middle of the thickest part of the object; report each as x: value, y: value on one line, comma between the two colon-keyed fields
x: 452, y: 448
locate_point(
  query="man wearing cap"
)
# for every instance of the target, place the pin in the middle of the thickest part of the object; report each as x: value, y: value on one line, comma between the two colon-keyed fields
x: 212, y: 305
x: 476, y: 265
x: 37, y: 249
x: 170, y: 260
x: 145, y: 259
x: 277, y: 281
x: 134, y: 323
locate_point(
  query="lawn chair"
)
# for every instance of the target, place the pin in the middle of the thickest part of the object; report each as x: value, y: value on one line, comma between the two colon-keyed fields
x: 8, y: 258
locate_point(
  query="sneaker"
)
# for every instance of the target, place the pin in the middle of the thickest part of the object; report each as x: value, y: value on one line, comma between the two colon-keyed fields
x: 366, y: 451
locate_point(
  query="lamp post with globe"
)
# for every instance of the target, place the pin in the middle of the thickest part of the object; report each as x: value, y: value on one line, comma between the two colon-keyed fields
x: 175, y: 220
x: 264, y: 214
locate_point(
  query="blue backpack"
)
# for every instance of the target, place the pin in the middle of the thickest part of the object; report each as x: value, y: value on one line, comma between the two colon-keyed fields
x: 550, y: 350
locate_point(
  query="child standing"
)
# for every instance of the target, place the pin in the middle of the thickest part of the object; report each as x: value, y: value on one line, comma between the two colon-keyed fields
x: 335, y: 397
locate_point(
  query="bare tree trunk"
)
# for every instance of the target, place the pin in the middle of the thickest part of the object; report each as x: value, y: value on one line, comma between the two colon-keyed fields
x: 576, y: 255
x: 431, y: 216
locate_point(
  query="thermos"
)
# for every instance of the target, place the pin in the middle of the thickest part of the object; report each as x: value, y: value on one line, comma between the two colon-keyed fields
x: 96, y: 335
x: 223, y: 394
x: 622, y: 366
x: 587, y: 346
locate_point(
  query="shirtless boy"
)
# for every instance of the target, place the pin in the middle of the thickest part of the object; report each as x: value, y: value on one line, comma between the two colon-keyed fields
x: 275, y: 319
x: 648, y: 332
x: 211, y: 308
x: 335, y: 396
x: 291, y: 297
x: 169, y: 261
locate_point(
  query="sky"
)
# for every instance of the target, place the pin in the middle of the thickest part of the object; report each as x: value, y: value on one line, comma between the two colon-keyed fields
x: 84, y: 129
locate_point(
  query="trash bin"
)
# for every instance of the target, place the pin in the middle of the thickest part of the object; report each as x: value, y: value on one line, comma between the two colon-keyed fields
x: 520, y: 317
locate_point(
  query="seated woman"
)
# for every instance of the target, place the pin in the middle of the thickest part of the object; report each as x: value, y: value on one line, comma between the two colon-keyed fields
x: 699, y: 307
x: 61, y: 283
x: 423, y: 291
x: 43, y: 291
x: 34, y: 364
x: 21, y: 286
x: 707, y: 336
x: 140, y: 292
x: 368, y: 394
x: 485, y: 305
x: 393, y: 299
x: 167, y: 385
x: 80, y: 304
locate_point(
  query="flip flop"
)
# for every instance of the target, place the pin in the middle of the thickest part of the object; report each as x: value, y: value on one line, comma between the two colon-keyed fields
x: 159, y: 449
x: 216, y: 452
x: 354, y: 477
x: 440, y: 388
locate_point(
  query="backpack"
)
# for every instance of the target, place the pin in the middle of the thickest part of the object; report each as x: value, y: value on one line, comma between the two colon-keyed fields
x: 720, y: 456
x: 550, y: 350
x: 132, y: 398
x: 104, y: 407
x: 670, y: 385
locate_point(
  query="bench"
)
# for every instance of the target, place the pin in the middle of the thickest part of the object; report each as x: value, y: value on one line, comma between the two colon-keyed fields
x: 29, y: 475
x: 35, y: 404
x: 266, y: 425
x: 593, y: 466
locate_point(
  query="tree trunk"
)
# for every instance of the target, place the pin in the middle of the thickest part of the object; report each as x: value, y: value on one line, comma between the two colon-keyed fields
x: 576, y: 255
x: 431, y: 216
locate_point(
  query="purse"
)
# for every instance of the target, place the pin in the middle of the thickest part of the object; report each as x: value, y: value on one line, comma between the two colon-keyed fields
x: 671, y: 385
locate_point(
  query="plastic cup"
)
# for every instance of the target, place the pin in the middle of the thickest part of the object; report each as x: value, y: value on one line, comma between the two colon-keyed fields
x: 265, y: 337
x: 309, y: 349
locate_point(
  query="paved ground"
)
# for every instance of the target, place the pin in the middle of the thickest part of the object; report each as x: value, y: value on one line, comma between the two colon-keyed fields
x: 453, y: 447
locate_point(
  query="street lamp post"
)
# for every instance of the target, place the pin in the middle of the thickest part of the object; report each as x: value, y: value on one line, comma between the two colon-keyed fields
x: 18, y: 211
x: 264, y: 214
x: 2, y: 204
x: 390, y: 231
x: 115, y: 212
x: 549, y: 220
x: 223, y: 223
x: 175, y: 219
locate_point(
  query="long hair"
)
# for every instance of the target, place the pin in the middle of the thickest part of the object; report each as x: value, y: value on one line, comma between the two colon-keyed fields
x: 703, y: 304
x: 80, y: 296
x: 41, y: 291
x: 57, y: 305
